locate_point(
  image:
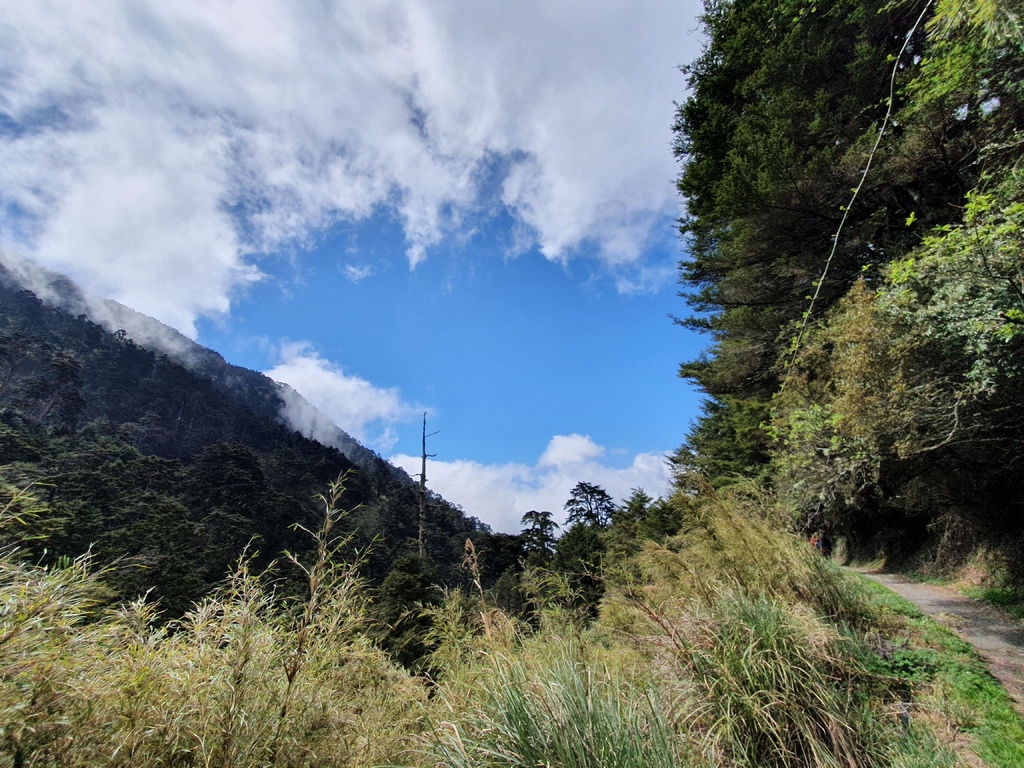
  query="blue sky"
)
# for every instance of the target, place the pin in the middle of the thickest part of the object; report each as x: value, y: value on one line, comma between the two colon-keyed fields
x: 398, y: 207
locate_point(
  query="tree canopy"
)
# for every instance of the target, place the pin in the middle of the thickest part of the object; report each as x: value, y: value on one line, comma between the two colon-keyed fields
x: 853, y: 195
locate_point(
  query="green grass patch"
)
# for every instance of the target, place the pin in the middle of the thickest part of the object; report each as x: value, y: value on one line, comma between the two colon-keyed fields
x: 570, y: 715
x: 947, y: 678
x: 1008, y: 599
x: 887, y: 602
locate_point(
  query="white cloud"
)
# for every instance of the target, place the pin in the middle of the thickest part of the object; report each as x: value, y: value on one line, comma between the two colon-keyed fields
x: 645, y: 278
x: 569, y: 450
x: 357, y: 274
x: 366, y: 412
x: 156, y: 147
x: 500, y: 494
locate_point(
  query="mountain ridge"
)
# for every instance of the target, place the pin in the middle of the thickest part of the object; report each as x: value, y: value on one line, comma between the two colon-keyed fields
x: 277, y: 400
x: 184, y: 470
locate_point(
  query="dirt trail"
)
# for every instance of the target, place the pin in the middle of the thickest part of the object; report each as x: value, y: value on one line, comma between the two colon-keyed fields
x: 997, y: 637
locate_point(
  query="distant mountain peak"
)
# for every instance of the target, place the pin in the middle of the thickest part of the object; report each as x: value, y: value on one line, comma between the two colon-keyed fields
x: 257, y: 391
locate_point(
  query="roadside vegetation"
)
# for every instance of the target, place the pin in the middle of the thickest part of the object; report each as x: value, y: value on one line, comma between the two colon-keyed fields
x: 949, y: 684
x: 854, y: 209
x: 729, y: 643
x: 1008, y: 599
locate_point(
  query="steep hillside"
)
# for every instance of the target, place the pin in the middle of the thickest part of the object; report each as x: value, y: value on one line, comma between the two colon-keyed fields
x: 266, y: 397
x: 180, y: 468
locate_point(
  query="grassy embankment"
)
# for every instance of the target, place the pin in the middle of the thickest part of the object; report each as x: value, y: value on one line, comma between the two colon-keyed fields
x: 729, y: 644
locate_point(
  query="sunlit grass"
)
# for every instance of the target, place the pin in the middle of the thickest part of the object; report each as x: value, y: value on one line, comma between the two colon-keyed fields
x: 734, y: 645
x: 244, y: 679
x: 952, y: 689
x: 569, y: 714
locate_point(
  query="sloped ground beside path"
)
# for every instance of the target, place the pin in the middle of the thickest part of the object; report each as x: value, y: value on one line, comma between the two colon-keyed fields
x: 997, y: 637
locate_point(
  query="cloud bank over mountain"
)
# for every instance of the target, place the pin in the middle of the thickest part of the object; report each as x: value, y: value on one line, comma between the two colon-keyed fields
x: 156, y: 152
x: 367, y: 412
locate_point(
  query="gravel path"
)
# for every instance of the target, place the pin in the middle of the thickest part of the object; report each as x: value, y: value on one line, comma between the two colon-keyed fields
x: 997, y: 637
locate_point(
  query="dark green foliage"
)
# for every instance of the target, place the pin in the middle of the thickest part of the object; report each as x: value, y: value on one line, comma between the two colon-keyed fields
x: 889, y: 408
x: 590, y: 505
x: 579, y: 549
x: 579, y: 554
x: 728, y: 442
x: 662, y: 519
x: 622, y: 535
x: 403, y: 595
x: 173, y: 472
x: 497, y: 554
x: 785, y: 104
x: 906, y: 404
x: 770, y: 144
x: 507, y: 594
x: 538, y: 536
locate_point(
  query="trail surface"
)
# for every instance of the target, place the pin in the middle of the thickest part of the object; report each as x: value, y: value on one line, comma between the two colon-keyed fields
x: 997, y: 637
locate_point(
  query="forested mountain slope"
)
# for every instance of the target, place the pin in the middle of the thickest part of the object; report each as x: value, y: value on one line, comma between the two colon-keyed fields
x: 855, y: 199
x: 864, y: 376
x: 179, y: 469
x: 266, y: 397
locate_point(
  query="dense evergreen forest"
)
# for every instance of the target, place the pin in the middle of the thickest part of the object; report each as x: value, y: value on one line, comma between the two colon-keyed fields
x: 175, y: 472
x: 186, y: 581
x: 853, y: 185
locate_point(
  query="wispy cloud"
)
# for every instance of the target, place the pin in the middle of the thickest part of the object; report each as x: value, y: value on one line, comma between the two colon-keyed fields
x: 151, y: 149
x: 357, y: 274
x: 500, y: 494
x: 366, y: 412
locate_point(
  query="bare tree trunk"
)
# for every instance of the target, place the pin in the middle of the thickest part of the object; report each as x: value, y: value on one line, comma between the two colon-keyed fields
x: 423, y: 490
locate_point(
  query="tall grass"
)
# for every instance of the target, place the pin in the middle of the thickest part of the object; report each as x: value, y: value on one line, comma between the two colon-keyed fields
x: 775, y: 687
x: 753, y: 628
x: 41, y: 617
x: 737, y: 539
x: 734, y: 645
x: 742, y: 630
x: 565, y: 715
x: 245, y: 679
x: 761, y: 682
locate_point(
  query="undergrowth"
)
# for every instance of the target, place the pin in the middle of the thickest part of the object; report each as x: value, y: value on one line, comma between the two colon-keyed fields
x: 245, y: 679
x: 730, y: 644
x: 1008, y: 599
x: 953, y: 693
x: 574, y: 714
